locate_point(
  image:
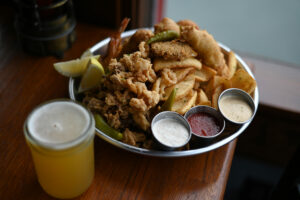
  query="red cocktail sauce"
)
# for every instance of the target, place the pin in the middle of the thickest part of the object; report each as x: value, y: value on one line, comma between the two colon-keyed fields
x: 203, y: 124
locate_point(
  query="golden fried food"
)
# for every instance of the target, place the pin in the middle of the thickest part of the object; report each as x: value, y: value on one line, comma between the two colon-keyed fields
x: 115, y: 43
x: 166, y: 24
x: 242, y: 80
x: 215, y: 96
x: 205, y: 45
x: 205, y: 73
x: 183, y: 87
x: 141, y: 68
x: 202, y: 99
x: 141, y: 120
x: 172, y: 50
x: 141, y: 79
x: 133, y: 42
x: 156, y: 85
x: 160, y: 63
x: 187, y: 22
x: 132, y: 138
x: 184, y: 104
x: 181, y: 73
x: 232, y: 64
x: 144, y: 48
x: 168, y: 77
x: 215, y: 82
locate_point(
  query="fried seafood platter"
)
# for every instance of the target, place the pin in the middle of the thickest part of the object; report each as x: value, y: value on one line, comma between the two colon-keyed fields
x: 173, y: 66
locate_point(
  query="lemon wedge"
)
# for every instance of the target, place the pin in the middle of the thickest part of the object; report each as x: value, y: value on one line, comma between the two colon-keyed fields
x: 87, y: 53
x: 92, y: 76
x: 73, y: 68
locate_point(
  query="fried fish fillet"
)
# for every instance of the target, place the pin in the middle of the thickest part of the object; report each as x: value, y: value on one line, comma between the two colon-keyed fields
x: 187, y: 22
x: 172, y: 50
x: 160, y: 63
x: 205, y: 45
x: 166, y: 24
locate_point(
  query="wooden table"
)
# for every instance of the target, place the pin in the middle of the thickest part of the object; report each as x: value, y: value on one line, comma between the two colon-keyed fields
x: 26, y: 81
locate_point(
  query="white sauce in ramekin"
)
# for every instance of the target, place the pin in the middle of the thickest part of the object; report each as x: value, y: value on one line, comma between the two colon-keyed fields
x: 170, y: 132
x: 235, y: 108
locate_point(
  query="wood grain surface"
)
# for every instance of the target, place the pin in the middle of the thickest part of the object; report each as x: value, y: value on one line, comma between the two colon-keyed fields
x: 26, y: 81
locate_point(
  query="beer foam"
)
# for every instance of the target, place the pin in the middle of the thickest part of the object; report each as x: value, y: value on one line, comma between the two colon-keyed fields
x: 58, y: 122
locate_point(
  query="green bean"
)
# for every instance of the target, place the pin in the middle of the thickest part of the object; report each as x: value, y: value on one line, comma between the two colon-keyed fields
x: 105, y: 128
x: 163, y: 36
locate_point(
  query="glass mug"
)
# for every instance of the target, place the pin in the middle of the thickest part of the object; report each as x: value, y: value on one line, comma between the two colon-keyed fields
x: 60, y: 136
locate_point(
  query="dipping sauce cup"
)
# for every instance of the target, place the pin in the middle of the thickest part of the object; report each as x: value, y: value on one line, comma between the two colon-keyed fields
x: 236, y: 106
x: 206, y: 123
x: 60, y: 136
x: 170, y: 130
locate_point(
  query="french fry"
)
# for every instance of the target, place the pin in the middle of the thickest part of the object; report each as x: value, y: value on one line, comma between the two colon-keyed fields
x: 215, y: 96
x: 196, y: 85
x: 205, y: 73
x: 183, y: 87
x: 165, y: 92
x: 214, y: 83
x: 156, y: 85
x: 232, y: 64
x: 160, y: 63
x: 242, y: 80
x: 181, y: 73
x: 202, y: 99
x: 184, y: 104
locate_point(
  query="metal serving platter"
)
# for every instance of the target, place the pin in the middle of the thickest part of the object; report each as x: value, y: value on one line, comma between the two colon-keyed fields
x: 231, y: 132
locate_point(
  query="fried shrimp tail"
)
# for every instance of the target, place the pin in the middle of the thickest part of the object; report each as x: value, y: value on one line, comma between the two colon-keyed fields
x: 114, y: 46
x: 123, y: 26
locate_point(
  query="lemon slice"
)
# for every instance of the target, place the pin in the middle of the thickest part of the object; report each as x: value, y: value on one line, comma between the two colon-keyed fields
x: 92, y: 76
x: 87, y: 53
x: 73, y: 68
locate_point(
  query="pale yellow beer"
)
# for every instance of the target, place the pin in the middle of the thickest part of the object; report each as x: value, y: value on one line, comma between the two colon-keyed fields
x: 60, y: 135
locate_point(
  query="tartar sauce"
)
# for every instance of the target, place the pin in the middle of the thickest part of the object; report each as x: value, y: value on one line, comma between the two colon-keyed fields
x: 235, y: 108
x: 170, y: 132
